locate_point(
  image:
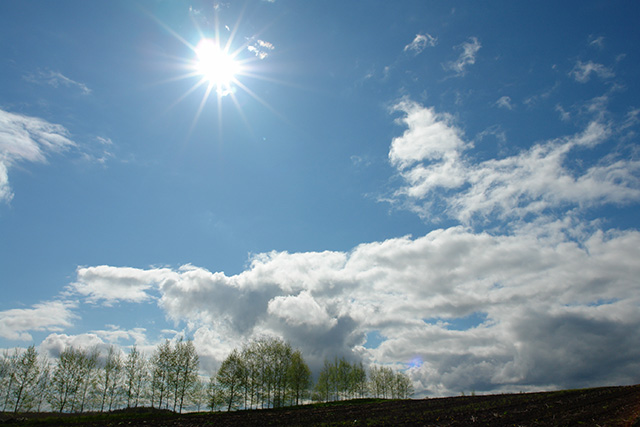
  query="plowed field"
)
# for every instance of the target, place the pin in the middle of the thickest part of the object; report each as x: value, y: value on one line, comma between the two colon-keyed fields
x: 607, y: 406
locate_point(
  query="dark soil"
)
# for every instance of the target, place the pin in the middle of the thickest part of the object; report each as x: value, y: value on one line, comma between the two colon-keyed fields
x: 607, y: 406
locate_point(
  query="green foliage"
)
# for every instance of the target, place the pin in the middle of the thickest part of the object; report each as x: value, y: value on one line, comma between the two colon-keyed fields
x: 265, y: 373
x: 385, y: 383
x: 340, y: 380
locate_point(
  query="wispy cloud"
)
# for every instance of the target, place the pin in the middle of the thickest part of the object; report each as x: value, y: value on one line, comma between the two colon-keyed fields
x: 261, y: 48
x: 15, y: 324
x: 505, y: 102
x: 596, y: 41
x: 467, y: 57
x: 27, y: 139
x: 582, y: 71
x: 56, y: 79
x: 420, y: 42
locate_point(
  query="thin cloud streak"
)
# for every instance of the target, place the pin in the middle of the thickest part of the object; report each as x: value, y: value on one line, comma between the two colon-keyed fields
x: 56, y: 79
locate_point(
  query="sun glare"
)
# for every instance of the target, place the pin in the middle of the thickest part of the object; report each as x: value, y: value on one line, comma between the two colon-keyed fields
x: 214, y: 64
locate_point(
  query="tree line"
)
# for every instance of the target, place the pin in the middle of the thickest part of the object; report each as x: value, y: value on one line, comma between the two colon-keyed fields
x: 265, y: 373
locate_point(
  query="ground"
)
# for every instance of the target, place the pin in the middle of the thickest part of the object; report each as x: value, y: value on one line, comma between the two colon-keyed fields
x: 607, y: 406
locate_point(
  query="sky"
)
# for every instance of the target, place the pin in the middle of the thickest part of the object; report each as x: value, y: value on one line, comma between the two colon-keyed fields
x: 447, y: 188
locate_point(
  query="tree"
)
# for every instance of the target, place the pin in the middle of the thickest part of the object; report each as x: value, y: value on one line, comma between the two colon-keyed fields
x: 186, y: 370
x: 25, y: 372
x: 66, y: 379
x: 160, y: 366
x: 215, y: 398
x: 358, y: 380
x: 42, y: 388
x: 340, y: 379
x: 323, y: 387
x: 299, y: 376
x: 230, y: 379
x: 385, y: 383
x: 197, y: 394
x: 110, y: 378
x: 7, y: 368
x: 88, y: 364
x: 403, y: 388
x: 135, y: 376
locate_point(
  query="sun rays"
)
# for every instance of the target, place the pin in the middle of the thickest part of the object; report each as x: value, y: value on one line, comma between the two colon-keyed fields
x: 219, y: 64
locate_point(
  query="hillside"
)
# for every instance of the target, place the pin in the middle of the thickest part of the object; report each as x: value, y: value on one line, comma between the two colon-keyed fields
x: 606, y: 406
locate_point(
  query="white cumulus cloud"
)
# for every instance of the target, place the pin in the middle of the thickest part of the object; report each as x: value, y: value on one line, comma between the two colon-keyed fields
x: 430, y: 157
x: 15, y: 324
x: 109, y: 284
x: 542, y: 301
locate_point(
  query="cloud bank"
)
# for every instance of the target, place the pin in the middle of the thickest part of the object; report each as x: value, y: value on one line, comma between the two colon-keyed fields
x: 552, y: 312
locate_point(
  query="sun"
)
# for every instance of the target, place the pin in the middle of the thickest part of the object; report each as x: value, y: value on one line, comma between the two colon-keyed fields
x: 215, y: 65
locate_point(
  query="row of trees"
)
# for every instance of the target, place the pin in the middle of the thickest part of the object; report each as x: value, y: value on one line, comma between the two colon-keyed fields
x: 340, y: 380
x: 85, y: 379
x: 266, y: 373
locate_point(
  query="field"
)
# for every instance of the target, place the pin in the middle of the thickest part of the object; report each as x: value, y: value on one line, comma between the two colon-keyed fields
x: 606, y: 406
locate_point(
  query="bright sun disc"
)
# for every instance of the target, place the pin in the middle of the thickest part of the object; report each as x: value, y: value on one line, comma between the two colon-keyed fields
x: 215, y: 64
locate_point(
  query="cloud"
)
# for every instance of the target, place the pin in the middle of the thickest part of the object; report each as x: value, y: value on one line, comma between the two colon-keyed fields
x: 596, y: 41
x: 505, y: 102
x: 582, y: 71
x: 420, y: 42
x: 544, y: 302
x: 16, y: 323
x: 100, y: 151
x: 430, y: 159
x: 261, y: 48
x: 56, y: 79
x: 116, y: 334
x: 467, y: 57
x: 538, y: 305
x: 107, y: 285
x: 301, y: 309
x: 54, y: 344
x: 564, y: 115
x: 24, y: 138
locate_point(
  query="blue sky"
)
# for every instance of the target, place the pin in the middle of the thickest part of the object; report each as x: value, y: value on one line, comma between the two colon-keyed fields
x: 448, y: 188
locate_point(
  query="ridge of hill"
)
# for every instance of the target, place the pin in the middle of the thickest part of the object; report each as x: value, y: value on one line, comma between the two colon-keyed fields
x: 603, y: 406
